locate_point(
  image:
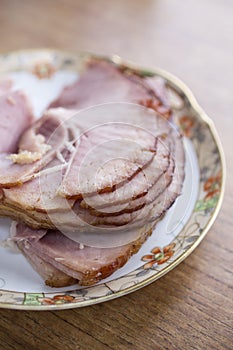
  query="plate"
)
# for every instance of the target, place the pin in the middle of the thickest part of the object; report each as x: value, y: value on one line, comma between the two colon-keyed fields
x: 43, y: 74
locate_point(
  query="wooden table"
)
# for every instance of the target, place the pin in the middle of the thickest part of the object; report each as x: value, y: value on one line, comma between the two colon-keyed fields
x: 191, y: 307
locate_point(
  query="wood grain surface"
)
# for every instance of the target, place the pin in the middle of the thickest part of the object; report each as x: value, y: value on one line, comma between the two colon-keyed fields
x: 191, y: 307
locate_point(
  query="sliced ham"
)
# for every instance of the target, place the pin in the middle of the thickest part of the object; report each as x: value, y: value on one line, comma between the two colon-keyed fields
x: 101, y: 82
x: 45, y: 138
x: 154, y: 203
x: 132, y: 191
x: 92, y: 179
x: 50, y: 274
x: 15, y: 117
x: 154, y: 208
x: 125, y: 131
x: 86, y: 264
x: 40, y: 193
x: 158, y: 203
x: 61, y: 261
x: 121, y: 139
x: 136, y: 204
x: 107, y: 156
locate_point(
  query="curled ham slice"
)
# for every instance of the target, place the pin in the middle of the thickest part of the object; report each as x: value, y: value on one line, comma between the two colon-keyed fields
x: 14, y: 106
x: 54, y: 135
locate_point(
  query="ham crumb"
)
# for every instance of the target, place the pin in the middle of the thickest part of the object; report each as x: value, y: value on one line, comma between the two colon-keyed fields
x: 28, y: 157
x: 25, y: 157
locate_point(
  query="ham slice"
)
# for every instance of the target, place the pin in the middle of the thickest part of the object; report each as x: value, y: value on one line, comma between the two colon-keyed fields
x: 132, y: 192
x: 51, y: 275
x: 86, y: 264
x: 120, y: 139
x: 107, y: 156
x: 40, y: 193
x: 155, y: 207
x: 104, y: 82
x: 44, y: 140
x: 14, y: 106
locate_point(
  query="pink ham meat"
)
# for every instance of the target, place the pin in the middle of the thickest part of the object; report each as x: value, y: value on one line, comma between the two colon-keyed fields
x: 136, y: 204
x: 86, y: 265
x: 159, y: 198
x: 134, y: 191
x: 157, y: 204
x: 103, y: 82
x: 113, y: 139
x: 112, y: 156
x: 107, y: 155
x: 40, y: 196
x: 46, y: 137
x: 61, y: 261
x: 40, y: 193
x: 119, y: 141
x: 51, y: 275
x: 15, y: 117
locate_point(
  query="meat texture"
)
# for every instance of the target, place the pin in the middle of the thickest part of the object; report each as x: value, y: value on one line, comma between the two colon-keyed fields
x: 62, y: 261
x: 103, y: 82
x: 14, y: 106
x: 109, y: 163
x: 128, y: 174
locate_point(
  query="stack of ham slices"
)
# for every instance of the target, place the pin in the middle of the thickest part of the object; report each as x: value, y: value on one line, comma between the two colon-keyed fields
x: 87, y: 182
